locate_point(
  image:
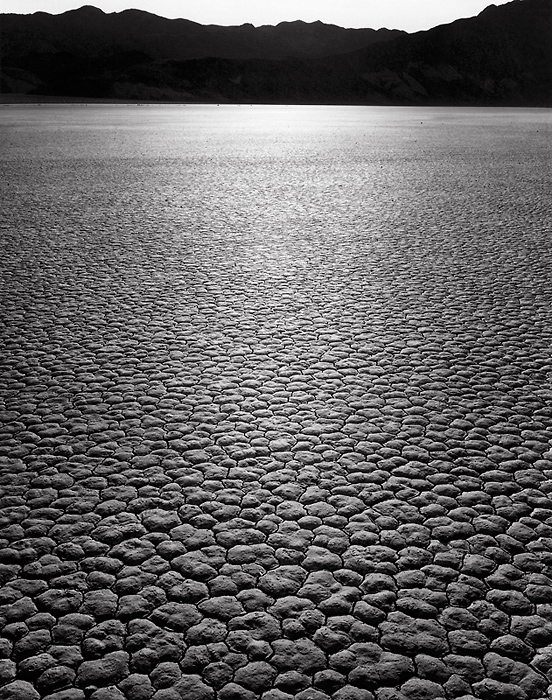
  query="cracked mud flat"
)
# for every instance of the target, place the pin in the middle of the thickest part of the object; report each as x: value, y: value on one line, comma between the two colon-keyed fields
x: 276, y: 404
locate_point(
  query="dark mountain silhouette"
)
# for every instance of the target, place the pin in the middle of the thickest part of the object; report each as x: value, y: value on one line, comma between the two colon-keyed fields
x: 503, y: 56
x: 92, y: 33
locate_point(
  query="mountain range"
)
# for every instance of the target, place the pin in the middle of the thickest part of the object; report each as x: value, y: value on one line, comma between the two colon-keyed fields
x: 501, y: 57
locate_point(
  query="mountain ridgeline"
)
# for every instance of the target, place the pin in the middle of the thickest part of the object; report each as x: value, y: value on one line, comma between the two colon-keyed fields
x: 501, y: 57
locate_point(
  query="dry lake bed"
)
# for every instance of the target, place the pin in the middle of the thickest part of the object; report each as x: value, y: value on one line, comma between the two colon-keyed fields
x: 275, y: 403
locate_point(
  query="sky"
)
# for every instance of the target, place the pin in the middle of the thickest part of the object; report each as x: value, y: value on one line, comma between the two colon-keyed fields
x: 410, y: 15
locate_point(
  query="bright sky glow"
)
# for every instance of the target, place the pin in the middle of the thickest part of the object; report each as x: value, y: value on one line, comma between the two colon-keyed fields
x: 410, y: 15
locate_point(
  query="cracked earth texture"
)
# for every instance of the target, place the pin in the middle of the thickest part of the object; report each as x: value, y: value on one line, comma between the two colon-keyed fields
x: 276, y: 404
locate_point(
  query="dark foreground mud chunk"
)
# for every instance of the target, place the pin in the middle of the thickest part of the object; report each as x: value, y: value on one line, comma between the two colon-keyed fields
x: 19, y: 690
x: 109, y: 670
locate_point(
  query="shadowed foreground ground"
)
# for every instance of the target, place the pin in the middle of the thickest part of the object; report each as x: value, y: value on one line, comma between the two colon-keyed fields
x: 263, y: 443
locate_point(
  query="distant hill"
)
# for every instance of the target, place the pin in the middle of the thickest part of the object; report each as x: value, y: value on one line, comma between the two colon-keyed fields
x: 92, y: 33
x: 503, y: 56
